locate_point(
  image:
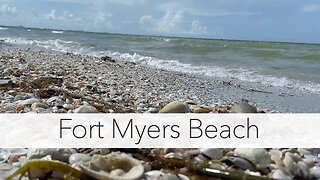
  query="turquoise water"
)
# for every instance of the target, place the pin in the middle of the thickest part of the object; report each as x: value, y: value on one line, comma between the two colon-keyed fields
x: 271, y: 63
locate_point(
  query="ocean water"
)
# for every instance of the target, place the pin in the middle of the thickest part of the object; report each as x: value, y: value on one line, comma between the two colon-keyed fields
x: 289, y: 65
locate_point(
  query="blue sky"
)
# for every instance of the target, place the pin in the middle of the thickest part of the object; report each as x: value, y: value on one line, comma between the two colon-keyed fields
x: 272, y: 20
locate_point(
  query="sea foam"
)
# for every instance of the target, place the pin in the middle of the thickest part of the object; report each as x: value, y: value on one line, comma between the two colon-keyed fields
x: 172, y: 64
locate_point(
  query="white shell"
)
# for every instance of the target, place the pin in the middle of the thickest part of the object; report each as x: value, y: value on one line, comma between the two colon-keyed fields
x: 257, y: 155
x: 79, y: 157
x: 213, y: 153
x: 114, y: 166
x: 86, y: 109
x: 6, y: 153
x: 159, y: 175
x: 279, y: 174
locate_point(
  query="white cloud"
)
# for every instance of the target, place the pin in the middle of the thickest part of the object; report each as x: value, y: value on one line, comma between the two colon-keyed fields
x: 222, y: 12
x: 146, y: 19
x: 103, y: 20
x: 6, y: 10
x: 311, y: 8
x: 127, y: 2
x: 172, y: 23
x: 214, y: 12
x: 51, y: 15
x: 197, y: 28
x: 169, y: 22
x: 64, y: 17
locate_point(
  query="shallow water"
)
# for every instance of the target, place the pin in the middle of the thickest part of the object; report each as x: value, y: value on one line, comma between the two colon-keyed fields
x: 290, y: 65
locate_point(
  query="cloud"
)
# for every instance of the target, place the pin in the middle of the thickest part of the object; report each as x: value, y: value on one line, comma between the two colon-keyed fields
x: 197, y: 28
x: 103, y: 20
x: 6, y: 10
x: 310, y: 8
x: 169, y: 22
x: 214, y: 12
x: 51, y: 15
x: 66, y: 16
x: 146, y: 20
x: 127, y: 2
x: 222, y: 12
x: 172, y: 23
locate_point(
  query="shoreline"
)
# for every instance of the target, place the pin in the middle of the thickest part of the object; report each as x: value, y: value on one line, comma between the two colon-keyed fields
x: 52, y: 82
x: 168, y: 85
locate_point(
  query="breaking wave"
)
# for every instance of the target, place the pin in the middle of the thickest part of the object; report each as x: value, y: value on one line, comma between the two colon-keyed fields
x: 57, y: 32
x: 172, y: 64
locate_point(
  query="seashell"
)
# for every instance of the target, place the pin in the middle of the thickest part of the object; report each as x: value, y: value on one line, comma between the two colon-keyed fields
x: 279, y: 174
x: 298, y: 168
x: 175, y: 107
x: 68, y: 106
x: 152, y: 110
x: 114, y: 166
x: 37, y: 105
x: 238, y: 162
x: 56, y: 154
x: 213, y: 153
x: 243, y: 107
x: 86, y: 109
x: 275, y: 156
x: 52, y: 99
x: 259, y: 156
x: 29, y: 101
x: 315, y: 173
x: 159, y: 175
x: 6, y: 153
x: 202, y: 110
x: 79, y: 157
x: 302, y: 170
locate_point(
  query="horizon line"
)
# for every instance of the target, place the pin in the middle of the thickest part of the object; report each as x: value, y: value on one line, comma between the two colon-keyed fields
x: 166, y: 36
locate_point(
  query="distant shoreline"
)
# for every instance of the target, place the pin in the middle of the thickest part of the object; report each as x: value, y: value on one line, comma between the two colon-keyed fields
x: 167, y: 36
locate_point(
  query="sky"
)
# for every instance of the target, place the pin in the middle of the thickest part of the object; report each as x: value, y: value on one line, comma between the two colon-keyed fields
x: 269, y: 20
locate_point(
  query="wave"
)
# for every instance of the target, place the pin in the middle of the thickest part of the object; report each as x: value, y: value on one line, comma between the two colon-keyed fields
x: 55, y: 45
x: 57, y: 32
x: 173, y: 65
x: 216, y: 71
x: 3, y: 28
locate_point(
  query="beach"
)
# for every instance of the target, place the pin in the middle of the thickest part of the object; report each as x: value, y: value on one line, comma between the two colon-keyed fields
x: 41, y: 79
x: 37, y: 81
x: 136, y: 88
x: 276, y: 77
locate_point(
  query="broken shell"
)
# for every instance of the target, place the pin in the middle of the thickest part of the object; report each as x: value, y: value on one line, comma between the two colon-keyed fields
x: 259, y: 156
x: 79, y: 157
x: 56, y: 154
x: 243, y: 107
x: 86, y: 109
x: 159, y: 175
x: 114, y: 166
x: 6, y: 153
x: 279, y: 174
x: 238, y: 162
x: 212, y: 153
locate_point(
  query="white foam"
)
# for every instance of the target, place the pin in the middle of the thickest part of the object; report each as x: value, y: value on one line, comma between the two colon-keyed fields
x: 172, y: 65
x: 215, y: 71
x: 57, y: 32
x: 3, y: 28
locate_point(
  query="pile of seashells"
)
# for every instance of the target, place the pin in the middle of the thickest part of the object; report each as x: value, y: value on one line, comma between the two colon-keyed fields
x: 42, y: 82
